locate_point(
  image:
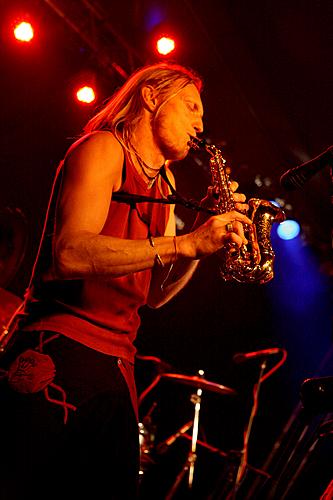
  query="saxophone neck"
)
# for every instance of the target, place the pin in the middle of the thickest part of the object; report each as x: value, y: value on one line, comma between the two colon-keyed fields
x: 197, y: 144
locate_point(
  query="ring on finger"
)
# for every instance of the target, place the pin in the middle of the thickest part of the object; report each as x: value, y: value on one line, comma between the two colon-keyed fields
x: 229, y: 227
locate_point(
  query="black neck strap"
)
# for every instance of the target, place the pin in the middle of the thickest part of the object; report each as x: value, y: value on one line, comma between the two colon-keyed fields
x: 172, y: 199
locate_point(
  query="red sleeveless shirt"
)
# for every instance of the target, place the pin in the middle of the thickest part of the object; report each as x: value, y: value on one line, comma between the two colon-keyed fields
x: 103, y: 313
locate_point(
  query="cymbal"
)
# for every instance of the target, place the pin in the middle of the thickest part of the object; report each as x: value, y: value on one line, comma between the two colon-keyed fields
x: 199, y: 383
x: 13, y: 242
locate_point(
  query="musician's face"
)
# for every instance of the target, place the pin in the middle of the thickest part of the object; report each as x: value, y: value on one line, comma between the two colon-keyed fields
x: 178, y: 119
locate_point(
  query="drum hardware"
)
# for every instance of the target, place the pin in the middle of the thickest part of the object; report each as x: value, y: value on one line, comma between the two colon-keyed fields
x: 305, y: 433
x: 146, y: 440
x: 146, y: 443
x: 243, y: 466
x: 199, y: 382
x: 189, y: 464
x: 163, y: 447
x: 231, y: 455
x: 236, y: 480
x: 160, y: 365
x: 237, y: 460
x: 164, y: 370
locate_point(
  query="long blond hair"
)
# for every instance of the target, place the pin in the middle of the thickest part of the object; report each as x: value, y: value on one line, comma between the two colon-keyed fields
x: 123, y: 110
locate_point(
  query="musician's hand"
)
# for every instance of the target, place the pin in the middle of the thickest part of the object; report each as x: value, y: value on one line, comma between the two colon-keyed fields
x: 239, y: 198
x: 212, y: 196
x: 216, y: 232
x: 210, y: 202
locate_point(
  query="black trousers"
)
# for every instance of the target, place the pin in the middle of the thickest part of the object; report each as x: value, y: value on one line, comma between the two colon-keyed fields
x: 94, y: 455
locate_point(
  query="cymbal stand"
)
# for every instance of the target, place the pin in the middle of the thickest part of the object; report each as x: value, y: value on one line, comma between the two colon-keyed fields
x: 191, y: 457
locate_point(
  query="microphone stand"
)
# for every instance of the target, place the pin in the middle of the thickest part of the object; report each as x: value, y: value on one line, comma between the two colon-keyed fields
x: 191, y: 457
x: 244, y: 454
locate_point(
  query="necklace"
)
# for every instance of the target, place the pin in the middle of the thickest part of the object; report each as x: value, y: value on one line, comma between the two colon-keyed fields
x: 151, y: 179
x: 144, y: 166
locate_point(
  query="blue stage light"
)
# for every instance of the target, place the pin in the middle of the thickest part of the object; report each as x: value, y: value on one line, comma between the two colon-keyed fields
x: 153, y: 17
x: 288, y: 230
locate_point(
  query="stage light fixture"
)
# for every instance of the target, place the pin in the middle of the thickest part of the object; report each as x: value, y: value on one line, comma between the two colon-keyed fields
x: 86, y: 94
x: 165, y: 45
x: 288, y: 230
x: 23, y: 31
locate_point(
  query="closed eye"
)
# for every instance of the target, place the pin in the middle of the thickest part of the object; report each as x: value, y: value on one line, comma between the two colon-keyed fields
x: 194, y: 108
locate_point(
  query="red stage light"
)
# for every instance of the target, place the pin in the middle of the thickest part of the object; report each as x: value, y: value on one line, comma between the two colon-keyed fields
x: 165, y: 45
x: 86, y: 94
x: 23, y: 32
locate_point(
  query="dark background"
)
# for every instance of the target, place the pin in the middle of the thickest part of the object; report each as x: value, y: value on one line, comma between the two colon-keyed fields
x: 267, y: 68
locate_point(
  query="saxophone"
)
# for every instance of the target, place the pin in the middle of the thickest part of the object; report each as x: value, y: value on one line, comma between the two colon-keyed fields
x: 252, y: 263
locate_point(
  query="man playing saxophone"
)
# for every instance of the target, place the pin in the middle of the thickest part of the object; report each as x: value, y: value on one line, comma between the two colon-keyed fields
x: 69, y: 404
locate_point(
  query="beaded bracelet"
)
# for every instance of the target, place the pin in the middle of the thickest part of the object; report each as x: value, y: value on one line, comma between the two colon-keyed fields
x: 171, y: 266
x: 157, y: 255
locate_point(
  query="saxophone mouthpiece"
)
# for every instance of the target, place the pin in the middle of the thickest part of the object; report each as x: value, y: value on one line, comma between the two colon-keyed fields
x: 197, y: 143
